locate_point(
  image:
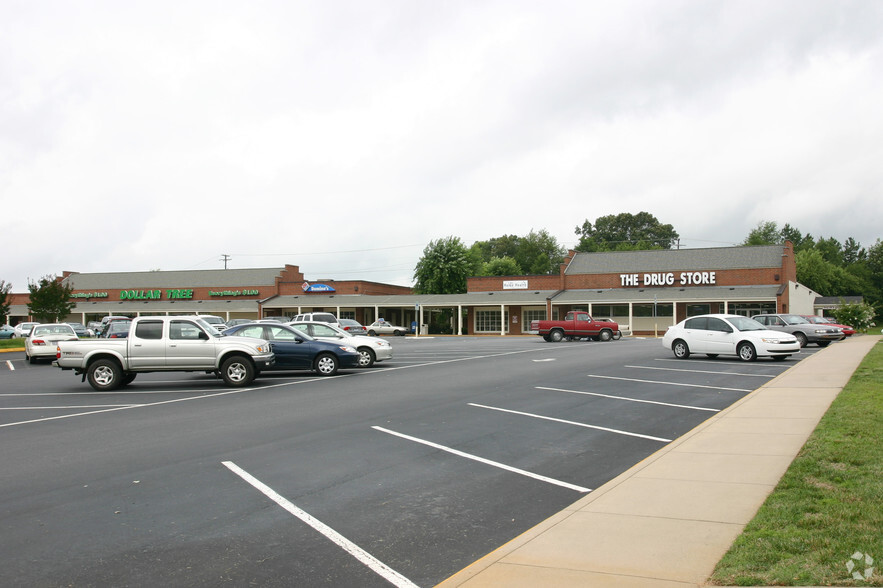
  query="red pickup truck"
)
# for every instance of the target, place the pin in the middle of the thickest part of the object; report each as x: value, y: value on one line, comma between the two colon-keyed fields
x: 576, y: 325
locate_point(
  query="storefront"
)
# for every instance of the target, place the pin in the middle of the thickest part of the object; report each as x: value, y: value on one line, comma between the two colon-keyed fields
x: 644, y: 291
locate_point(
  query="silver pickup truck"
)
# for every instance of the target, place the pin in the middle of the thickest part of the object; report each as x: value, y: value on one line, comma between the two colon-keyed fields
x: 165, y: 344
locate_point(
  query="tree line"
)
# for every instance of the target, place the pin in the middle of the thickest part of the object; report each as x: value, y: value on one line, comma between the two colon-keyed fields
x: 823, y: 264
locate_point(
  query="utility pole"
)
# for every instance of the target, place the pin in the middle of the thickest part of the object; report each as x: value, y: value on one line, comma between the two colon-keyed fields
x: 225, y: 258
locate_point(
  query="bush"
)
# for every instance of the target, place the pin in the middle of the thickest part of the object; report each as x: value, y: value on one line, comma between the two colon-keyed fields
x: 859, y: 316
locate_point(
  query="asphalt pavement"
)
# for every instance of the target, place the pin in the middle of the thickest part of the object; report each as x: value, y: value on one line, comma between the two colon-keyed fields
x: 669, y: 519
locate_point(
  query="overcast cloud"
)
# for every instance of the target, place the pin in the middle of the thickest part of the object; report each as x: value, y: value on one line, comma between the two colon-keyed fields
x: 344, y: 136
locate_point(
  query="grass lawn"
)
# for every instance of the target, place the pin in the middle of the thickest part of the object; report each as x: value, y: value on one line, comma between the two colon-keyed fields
x: 829, y: 504
x: 12, y: 344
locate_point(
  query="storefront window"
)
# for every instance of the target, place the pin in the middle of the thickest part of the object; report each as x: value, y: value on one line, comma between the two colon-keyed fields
x: 610, y: 311
x: 646, y: 310
x: 488, y: 321
x: 697, y: 309
x: 531, y: 315
x: 751, y: 308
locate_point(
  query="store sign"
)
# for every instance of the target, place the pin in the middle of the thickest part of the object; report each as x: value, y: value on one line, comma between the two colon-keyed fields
x: 174, y: 294
x: 88, y: 295
x: 234, y: 293
x: 514, y: 284
x: 669, y: 279
x: 317, y: 287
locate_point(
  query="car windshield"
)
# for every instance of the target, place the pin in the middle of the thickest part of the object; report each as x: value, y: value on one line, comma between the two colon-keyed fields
x: 209, y: 328
x: 52, y: 330
x: 793, y: 319
x: 743, y: 323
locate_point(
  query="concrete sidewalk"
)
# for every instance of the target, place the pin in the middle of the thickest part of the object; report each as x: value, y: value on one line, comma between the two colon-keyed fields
x: 668, y: 520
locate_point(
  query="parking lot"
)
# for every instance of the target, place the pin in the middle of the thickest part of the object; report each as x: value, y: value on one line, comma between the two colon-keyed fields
x: 400, y: 474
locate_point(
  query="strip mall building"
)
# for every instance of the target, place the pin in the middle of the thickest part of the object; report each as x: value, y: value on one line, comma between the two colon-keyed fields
x: 644, y: 291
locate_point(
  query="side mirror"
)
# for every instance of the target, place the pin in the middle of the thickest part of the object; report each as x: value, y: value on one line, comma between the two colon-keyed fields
x: 203, y: 335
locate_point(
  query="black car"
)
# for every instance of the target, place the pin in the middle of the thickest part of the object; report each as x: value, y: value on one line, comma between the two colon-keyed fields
x: 295, y: 350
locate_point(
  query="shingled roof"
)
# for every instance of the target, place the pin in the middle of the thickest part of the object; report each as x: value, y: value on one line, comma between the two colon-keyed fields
x: 669, y: 260
x: 216, y: 278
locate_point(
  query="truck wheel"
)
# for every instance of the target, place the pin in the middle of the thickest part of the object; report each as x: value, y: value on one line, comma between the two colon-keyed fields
x: 556, y: 336
x: 605, y: 335
x: 128, y: 378
x: 237, y: 371
x: 326, y: 364
x: 367, y: 357
x: 104, y: 375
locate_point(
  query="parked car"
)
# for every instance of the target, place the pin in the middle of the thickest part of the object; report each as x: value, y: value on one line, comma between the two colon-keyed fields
x: 273, y: 319
x: 319, y: 317
x: 94, y: 326
x: 81, y: 330
x: 215, y: 321
x: 805, y: 331
x: 7, y: 332
x: 381, y: 327
x: 117, y: 329
x: 353, y: 327
x: 824, y: 320
x: 370, y: 348
x: 724, y: 334
x: 106, y: 320
x: 296, y: 350
x: 22, y: 330
x: 44, y: 338
x: 236, y: 322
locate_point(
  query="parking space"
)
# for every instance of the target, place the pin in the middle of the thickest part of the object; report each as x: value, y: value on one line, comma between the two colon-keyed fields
x: 399, y: 474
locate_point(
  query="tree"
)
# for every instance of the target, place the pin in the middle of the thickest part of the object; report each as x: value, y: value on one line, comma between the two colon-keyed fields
x: 50, y: 299
x: 4, y: 299
x: 826, y: 278
x: 624, y: 232
x: 765, y: 233
x: 444, y: 267
x: 537, y: 253
x: 501, y: 266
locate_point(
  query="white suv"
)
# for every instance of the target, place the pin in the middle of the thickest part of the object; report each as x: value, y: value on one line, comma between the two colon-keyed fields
x: 317, y: 317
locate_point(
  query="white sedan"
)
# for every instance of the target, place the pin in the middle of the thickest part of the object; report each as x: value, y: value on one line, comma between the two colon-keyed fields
x: 726, y: 334
x: 23, y: 329
x: 44, y: 338
x: 371, y: 349
x: 382, y: 327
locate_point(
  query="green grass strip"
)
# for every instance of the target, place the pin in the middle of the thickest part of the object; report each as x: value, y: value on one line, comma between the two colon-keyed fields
x: 828, y: 505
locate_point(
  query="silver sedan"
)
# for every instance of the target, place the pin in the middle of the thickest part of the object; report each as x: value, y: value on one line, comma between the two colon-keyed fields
x: 382, y: 327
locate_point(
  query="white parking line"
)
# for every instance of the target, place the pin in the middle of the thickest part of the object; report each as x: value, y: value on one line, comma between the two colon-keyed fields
x: 670, y: 383
x: 10, y: 366
x: 647, y: 367
x: 712, y: 362
x: 539, y: 416
x: 68, y: 407
x: 147, y: 404
x: 374, y: 564
x: 627, y: 399
x: 486, y: 461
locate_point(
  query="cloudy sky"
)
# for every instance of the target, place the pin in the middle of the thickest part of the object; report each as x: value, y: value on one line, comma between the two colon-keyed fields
x: 343, y: 136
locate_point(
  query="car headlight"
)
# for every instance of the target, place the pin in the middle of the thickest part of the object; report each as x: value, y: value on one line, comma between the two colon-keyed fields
x: 777, y: 341
x: 264, y: 348
x: 348, y: 349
